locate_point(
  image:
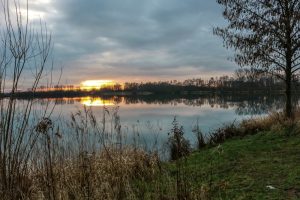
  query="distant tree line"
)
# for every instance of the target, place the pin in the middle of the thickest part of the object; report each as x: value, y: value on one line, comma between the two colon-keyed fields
x: 244, y: 80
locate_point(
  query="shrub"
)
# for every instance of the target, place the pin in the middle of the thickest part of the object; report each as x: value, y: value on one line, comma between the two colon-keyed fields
x: 179, y: 146
x: 226, y: 132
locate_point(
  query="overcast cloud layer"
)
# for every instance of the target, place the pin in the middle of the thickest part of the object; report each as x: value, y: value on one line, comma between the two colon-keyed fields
x: 135, y: 40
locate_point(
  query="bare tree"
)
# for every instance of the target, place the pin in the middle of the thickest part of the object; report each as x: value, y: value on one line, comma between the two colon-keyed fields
x: 24, y: 50
x: 266, y: 35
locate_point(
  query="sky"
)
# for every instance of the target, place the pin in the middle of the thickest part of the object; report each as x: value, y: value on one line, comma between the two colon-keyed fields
x: 134, y: 40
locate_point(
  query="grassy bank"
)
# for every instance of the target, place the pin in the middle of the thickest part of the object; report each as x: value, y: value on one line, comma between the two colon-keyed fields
x: 261, y: 166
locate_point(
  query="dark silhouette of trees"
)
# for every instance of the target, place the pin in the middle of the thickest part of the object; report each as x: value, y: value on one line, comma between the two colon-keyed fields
x: 244, y: 81
x: 265, y: 35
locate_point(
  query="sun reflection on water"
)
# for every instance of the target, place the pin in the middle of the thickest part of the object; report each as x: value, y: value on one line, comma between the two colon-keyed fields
x: 96, y: 101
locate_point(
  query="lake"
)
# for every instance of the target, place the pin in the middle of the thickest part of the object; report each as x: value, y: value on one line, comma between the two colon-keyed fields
x: 150, y: 117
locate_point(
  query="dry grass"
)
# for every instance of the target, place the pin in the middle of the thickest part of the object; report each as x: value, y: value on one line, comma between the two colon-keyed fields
x: 107, y: 175
x: 275, y: 121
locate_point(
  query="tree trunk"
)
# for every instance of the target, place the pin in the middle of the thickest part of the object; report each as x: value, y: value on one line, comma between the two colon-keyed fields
x: 288, y: 70
x: 288, y: 92
x: 288, y: 84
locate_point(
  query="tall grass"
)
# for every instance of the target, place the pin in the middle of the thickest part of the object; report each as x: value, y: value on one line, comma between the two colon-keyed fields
x: 200, y: 138
x: 97, y: 165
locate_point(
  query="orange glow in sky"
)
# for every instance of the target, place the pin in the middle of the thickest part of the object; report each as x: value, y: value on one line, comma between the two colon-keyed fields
x: 96, y: 84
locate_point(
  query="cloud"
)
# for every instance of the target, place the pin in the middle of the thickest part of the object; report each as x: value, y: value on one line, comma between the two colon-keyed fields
x: 132, y: 39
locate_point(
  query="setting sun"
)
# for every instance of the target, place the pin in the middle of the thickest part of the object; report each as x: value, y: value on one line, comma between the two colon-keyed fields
x: 96, y: 84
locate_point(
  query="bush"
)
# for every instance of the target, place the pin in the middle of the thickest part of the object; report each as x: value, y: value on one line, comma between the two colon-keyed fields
x: 226, y: 132
x: 179, y: 146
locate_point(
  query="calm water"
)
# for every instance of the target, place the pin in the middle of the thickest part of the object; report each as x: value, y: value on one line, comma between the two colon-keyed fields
x: 151, y: 117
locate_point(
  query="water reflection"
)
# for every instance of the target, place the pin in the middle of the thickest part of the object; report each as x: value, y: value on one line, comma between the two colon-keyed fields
x: 96, y: 101
x: 86, y: 101
x: 243, y: 105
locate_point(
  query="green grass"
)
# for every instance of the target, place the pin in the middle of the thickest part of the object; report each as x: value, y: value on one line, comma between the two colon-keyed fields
x: 238, y: 169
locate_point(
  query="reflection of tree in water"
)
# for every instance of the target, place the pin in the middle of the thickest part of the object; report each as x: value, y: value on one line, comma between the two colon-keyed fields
x: 243, y: 104
x: 259, y: 105
x: 262, y: 105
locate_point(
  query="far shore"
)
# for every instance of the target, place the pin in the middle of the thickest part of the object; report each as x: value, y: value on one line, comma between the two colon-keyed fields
x: 95, y: 93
